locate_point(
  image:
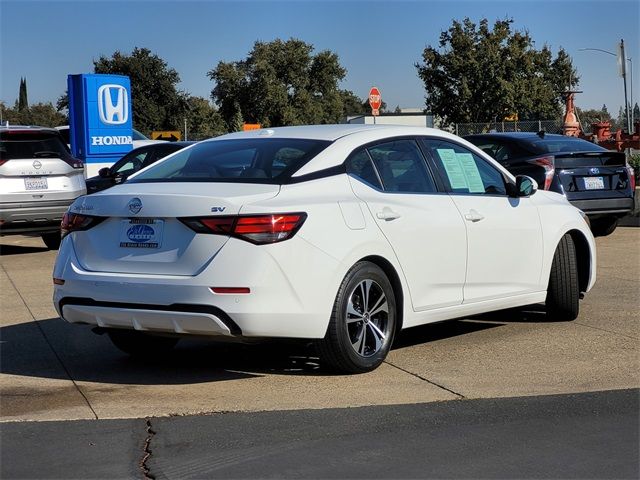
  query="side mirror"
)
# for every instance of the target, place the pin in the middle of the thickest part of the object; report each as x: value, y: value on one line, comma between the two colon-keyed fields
x: 103, y: 172
x: 525, y: 186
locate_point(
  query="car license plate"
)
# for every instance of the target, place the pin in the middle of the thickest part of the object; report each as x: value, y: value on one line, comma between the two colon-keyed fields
x: 35, y: 183
x: 141, y: 233
x: 593, y: 183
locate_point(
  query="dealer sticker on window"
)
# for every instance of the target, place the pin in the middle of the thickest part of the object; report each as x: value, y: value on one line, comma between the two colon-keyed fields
x: 141, y: 233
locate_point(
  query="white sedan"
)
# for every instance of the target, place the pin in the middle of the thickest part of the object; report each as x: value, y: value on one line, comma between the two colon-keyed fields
x: 344, y: 234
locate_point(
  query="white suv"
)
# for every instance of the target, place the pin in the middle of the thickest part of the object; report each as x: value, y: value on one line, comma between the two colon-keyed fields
x: 39, y: 179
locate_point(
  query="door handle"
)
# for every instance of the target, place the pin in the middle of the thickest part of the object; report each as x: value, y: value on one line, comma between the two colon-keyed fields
x: 387, y: 214
x: 473, y: 216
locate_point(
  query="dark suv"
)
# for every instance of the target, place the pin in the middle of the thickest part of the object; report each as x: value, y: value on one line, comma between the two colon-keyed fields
x: 39, y: 179
x: 597, y: 181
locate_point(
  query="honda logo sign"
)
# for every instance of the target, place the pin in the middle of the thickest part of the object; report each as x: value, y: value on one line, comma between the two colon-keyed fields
x: 113, y: 112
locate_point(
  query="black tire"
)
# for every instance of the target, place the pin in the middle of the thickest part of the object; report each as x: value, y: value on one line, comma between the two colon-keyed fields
x: 51, y: 240
x: 360, y: 331
x: 563, y: 292
x: 140, y: 344
x: 602, y: 227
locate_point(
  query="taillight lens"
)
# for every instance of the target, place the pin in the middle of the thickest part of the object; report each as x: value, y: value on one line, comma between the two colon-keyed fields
x: 74, y: 222
x: 632, y: 177
x: 549, y: 169
x: 74, y: 162
x: 258, y: 229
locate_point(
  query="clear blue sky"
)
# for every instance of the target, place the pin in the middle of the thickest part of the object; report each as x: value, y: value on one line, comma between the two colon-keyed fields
x: 377, y: 41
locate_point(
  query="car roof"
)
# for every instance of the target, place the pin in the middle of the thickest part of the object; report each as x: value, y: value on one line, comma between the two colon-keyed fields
x: 521, y: 136
x: 25, y: 128
x: 325, y: 132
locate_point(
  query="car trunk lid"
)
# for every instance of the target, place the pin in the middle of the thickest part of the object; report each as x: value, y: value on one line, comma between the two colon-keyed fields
x: 142, y: 232
x: 592, y: 171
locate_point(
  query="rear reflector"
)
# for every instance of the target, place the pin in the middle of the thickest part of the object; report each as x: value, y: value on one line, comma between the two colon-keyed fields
x: 549, y: 169
x: 58, y: 281
x: 258, y: 229
x: 231, y: 290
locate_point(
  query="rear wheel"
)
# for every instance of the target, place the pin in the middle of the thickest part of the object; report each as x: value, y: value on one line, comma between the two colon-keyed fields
x: 563, y: 292
x: 602, y: 227
x: 140, y: 344
x: 362, y: 323
x: 51, y: 240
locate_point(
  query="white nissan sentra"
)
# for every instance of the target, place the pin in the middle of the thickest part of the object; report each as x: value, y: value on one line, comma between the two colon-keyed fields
x: 343, y: 234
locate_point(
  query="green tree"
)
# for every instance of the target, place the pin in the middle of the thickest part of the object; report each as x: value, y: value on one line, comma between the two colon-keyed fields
x: 23, y: 101
x: 280, y: 83
x: 203, y: 120
x: 42, y: 114
x: 157, y: 102
x: 479, y: 73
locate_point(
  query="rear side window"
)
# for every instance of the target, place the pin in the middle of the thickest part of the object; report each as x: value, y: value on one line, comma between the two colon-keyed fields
x: 464, y: 171
x: 401, y: 167
x: 28, y: 145
x: 360, y: 166
x: 264, y: 160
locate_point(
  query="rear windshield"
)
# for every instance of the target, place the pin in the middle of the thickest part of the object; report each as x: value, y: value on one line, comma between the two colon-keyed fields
x: 26, y: 145
x: 258, y: 160
x: 564, y: 144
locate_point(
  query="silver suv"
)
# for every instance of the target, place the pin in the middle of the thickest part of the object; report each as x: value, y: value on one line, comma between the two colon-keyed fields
x: 39, y: 179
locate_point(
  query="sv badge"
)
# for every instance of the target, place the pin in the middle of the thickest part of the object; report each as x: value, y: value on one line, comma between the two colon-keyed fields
x: 218, y: 209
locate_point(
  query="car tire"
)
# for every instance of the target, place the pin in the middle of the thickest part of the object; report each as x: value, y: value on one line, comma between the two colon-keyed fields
x: 140, y: 344
x: 51, y: 240
x: 603, y: 226
x: 363, y: 321
x: 563, y: 292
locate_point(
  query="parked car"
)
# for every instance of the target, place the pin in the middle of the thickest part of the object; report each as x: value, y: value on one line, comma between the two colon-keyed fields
x: 597, y: 181
x: 39, y: 179
x: 343, y: 234
x: 139, y: 139
x: 133, y: 161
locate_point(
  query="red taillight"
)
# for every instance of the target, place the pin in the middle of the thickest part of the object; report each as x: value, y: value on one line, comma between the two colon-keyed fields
x: 549, y: 169
x: 74, y: 162
x: 73, y: 222
x: 258, y: 229
x: 3, y: 161
x: 632, y: 177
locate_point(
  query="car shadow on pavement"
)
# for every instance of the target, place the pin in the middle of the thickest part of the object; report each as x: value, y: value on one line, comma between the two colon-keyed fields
x: 53, y: 349
x: 6, y: 250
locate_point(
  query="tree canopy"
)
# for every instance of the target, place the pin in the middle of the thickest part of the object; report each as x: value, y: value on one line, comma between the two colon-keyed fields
x: 479, y: 74
x: 157, y: 102
x: 282, y: 83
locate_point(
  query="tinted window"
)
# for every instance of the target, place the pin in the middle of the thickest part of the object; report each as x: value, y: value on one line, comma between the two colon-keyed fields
x: 360, y: 166
x: 130, y: 163
x: 30, y: 144
x: 501, y: 151
x: 560, y: 143
x: 264, y: 160
x: 464, y: 171
x: 401, y: 167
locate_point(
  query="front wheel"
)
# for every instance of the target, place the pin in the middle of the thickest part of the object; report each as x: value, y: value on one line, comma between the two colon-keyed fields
x: 563, y: 292
x: 140, y: 344
x: 362, y: 323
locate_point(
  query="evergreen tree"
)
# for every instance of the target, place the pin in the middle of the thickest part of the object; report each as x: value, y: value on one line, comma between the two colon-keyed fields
x: 23, y: 102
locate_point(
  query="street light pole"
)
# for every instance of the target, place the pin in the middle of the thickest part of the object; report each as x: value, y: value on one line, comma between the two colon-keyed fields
x: 624, y: 78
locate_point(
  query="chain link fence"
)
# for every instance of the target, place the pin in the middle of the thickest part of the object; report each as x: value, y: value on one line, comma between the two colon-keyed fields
x: 549, y: 126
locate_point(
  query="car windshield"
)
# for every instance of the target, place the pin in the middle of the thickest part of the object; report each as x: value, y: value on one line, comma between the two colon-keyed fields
x: 30, y: 144
x: 136, y: 135
x: 263, y: 160
x: 564, y: 144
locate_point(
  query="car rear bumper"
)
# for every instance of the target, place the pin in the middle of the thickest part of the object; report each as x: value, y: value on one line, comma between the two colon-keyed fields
x: 604, y: 206
x: 39, y: 217
x: 279, y: 304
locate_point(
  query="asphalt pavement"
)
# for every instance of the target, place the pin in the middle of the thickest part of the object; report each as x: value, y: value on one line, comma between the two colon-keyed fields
x: 589, y: 435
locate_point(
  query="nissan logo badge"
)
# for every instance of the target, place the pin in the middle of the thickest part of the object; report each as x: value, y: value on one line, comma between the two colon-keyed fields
x: 135, y: 205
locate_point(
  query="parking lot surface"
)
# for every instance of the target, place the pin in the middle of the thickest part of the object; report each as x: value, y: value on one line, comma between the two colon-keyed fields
x: 54, y: 371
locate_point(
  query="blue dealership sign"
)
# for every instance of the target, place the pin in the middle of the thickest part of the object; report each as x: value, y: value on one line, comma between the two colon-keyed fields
x: 100, y: 118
